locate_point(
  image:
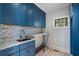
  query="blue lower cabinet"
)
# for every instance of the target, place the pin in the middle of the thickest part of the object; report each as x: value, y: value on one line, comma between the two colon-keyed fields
x: 25, y: 49
x: 3, y: 53
x: 9, y: 51
x: 25, y: 45
x: 15, y: 54
x: 12, y: 50
x: 31, y: 50
x: 23, y: 52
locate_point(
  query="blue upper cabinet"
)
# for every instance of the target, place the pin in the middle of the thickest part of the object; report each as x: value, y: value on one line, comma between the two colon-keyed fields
x: 39, y: 17
x: 17, y: 13
x: 74, y: 29
x: 36, y: 17
x: 30, y: 14
x: 43, y: 20
x: 22, y: 14
x: 7, y: 13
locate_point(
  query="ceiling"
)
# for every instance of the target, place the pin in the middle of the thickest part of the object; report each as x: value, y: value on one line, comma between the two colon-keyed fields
x: 47, y: 7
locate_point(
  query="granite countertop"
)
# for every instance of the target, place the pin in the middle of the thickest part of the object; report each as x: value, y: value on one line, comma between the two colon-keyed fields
x: 11, y: 43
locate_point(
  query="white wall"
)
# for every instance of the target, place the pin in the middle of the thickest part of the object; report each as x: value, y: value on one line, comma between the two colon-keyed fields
x: 59, y: 38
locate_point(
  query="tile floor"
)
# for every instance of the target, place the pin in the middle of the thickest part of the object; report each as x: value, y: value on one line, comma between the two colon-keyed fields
x: 51, y: 52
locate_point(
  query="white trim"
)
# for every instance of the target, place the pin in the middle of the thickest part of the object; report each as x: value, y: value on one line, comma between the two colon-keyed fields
x: 61, y: 49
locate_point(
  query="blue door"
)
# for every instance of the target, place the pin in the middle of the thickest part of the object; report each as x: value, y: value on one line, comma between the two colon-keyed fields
x: 9, y: 51
x: 36, y: 16
x: 20, y: 14
x: 31, y: 50
x: 15, y: 54
x: 43, y: 20
x: 40, y: 20
x: 24, y: 52
x: 30, y: 14
x: 7, y: 13
x: 75, y: 30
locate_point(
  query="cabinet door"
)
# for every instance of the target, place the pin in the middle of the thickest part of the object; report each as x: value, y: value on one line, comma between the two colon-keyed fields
x: 23, y: 52
x: 27, y: 49
x: 20, y: 14
x: 31, y: 50
x: 43, y: 20
x: 15, y: 54
x: 36, y: 16
x: 75, y: 30
x: 40, y: 20
x: 30, y: 14
x: 7, y: 13
x: 9, y: 51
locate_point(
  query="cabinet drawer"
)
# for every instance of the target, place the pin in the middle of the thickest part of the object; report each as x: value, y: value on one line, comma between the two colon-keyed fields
x: 25, y: 45
x: 9, y: 51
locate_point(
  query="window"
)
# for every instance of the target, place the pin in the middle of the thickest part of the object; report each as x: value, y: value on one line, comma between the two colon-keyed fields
x: 61, y: 22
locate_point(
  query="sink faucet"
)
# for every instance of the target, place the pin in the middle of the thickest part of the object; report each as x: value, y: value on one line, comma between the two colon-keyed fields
x: 22, y: 34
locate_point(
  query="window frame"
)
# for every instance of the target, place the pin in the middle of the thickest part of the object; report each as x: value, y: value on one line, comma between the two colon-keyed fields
x: 68, y: 22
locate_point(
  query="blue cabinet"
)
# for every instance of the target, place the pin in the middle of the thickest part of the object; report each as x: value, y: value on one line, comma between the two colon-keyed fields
x: 42, y: 21
x: 15, y: 54
x: 31, y: 50
x: 7, y: 13
x: 9, y: 51
x: 27, y: 49
x: 24, y: 52
x: 30, y: 14
x: 74, y: 29
x: 22, y: 14
x: 39, y: 17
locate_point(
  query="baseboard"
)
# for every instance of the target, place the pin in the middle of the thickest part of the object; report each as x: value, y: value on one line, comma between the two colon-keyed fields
x: 39, y: 49
x: 60, y: 49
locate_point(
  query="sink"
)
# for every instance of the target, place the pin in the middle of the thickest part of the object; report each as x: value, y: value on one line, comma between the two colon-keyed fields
x: 21, y: 40
x: 25, y: 39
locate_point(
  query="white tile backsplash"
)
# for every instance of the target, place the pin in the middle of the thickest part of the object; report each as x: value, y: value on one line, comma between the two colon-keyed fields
x: 13, y: 32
